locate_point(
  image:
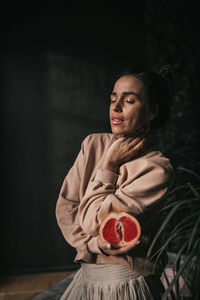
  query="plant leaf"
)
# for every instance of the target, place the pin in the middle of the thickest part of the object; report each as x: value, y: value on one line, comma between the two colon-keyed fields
x: 193, y: 190
x: 177, y: 275
x: 188, y: 171
x: 165, y: 222
x: 194, y: 233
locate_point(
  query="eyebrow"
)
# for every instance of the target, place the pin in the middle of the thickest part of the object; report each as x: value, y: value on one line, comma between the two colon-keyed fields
x: 128, y: 93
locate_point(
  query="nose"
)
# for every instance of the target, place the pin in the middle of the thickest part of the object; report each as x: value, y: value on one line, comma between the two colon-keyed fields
x: 117, y: 106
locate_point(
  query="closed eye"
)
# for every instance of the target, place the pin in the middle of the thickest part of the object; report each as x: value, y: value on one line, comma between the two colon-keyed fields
x: 130, y: 101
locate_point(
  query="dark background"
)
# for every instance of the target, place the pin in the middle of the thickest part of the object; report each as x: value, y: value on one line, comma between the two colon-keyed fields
x: 58, y: 66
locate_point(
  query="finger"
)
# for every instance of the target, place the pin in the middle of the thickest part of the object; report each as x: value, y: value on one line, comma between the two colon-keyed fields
x: 108, y: 246
x: 141, y: 144
x: 127, y: 248
x: 114, y: 247
x: 137, y: 148
x: 122, y: 139
x: 130, y: 141
x: 139, y: 131
x: 131, y: 246
x: 133, y: 142
x: 135, y: 133
x: 113, y: 252
x: 142, y: 130
x: 102, y: 244
x: 121, y: 250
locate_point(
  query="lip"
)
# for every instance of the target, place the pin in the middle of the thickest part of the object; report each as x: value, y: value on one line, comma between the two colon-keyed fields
x: 116, y: 120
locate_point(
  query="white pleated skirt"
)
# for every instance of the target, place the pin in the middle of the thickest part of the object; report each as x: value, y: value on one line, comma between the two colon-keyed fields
x: 112, y: 282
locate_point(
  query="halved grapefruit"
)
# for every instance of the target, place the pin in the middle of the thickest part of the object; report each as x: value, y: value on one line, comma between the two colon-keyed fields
x: 120, y: 229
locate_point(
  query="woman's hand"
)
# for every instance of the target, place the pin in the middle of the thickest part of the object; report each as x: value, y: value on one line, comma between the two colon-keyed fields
x: 123, y: 150
x: 114, y: 250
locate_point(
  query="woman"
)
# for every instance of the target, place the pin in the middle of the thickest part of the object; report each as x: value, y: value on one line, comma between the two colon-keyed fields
x: 121, y: 171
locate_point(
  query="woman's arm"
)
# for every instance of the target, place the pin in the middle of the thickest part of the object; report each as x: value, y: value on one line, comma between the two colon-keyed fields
x: 67, y: 212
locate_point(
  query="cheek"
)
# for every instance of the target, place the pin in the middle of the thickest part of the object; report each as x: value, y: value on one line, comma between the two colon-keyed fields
x: 139, y: 116
x: 143, y: 115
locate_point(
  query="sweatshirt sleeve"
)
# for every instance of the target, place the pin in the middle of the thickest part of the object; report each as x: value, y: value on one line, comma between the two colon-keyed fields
x: 67, y: 211
x: 143, y: 190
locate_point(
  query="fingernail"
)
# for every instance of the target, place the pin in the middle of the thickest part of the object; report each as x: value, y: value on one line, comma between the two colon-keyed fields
x: 108, y: 246
x: 138, y: 242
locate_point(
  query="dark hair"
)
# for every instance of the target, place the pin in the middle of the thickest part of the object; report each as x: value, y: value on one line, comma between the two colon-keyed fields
x: 158, y: 88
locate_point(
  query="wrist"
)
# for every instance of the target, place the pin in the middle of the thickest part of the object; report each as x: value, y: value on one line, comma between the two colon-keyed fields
x: 113, y: 167
x: 102, y: 246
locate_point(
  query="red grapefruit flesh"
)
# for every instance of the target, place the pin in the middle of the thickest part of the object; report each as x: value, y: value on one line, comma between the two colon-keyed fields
x: 110, y: 232
x: 130, y: 228
x: 120, y: 229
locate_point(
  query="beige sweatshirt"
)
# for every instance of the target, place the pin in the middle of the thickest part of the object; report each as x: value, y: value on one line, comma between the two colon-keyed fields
x: 89, y: 194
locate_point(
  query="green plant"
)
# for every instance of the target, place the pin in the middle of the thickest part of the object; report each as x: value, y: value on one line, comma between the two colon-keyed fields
x: 182, y: 209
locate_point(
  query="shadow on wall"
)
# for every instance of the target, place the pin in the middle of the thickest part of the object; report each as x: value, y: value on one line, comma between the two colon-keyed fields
x: 52, y: 102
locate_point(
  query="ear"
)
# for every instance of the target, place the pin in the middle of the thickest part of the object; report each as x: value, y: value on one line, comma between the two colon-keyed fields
x: 154, y: 111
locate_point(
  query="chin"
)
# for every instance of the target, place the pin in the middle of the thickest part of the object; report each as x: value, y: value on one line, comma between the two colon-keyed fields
x: 123, y: 133
x: 118, y: 132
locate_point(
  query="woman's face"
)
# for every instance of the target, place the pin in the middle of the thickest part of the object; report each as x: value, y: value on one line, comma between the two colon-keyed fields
x: 129, y: 107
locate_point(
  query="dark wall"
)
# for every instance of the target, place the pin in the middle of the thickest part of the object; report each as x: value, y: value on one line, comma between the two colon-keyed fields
x: 173, y: 38
x: 58, y: 70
